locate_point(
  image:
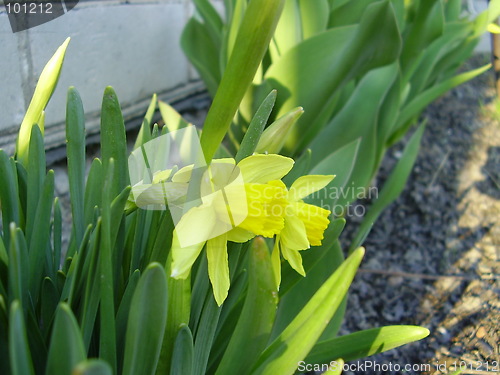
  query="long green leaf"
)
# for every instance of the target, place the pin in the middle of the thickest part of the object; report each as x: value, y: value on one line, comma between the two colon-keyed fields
x: 256, y: 127
x: 256, y: 320
x: 40, y: 256
x: 182, y: 358
x: 36, y: 176
x: 302, y: 333
x: 146, y: 322
x: 392, y: 187
x: 18, y: 267
x: 66, y: 339
x: 20, y: 357
x: 251, y: 43
x: 75, y: 148
x: 365, y: 343
x: 413, y: 108
x: 144, y: 135
x: 107, y: 344
x: 179, y: 309
x: 113, y: 141
x: 9, y: 195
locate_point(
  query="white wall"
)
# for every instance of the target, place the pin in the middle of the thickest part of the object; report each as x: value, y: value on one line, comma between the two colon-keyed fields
x: 131, y: 45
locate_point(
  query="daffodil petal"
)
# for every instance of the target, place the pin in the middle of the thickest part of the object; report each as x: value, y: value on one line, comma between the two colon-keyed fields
x: 196, y: 225
x: 263, y: 168
x: 294, y: 258
x: 218, y: 267
x: 183, y: 257
x: 239, y: 235
x: 276, y: 262
x: 306, y: 185
x: 183, y: 174
x: 315, y: 220
x: 161, y: 175
x: 294, y: 235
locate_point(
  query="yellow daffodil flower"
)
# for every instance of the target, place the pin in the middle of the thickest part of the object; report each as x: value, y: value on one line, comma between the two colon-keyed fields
x: 304, y: 223
x: 228, y: 214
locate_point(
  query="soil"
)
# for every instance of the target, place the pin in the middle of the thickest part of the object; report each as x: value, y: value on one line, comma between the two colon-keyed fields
x: 433, y: 257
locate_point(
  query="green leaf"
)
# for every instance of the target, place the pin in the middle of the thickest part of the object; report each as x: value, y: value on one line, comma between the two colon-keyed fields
x: 199, y: 49
x: 75, y: 148
x: 300, y: 168
x: 348, y: 14
x: 18, y: 267
x: 144, y: 135
x: 365, y: 343
x: 49, y: 300
x: 340, y: 163
x: 256, y: 127
x: 352, y: 123
x: 414, y: 107
x: 392, y: 187
x: 426, y: 26
x: 273, y: 138
x: 43, y: 91
x: 319, y: 265
x: 92, y: 367
x: 35, y: 178
x: 57, y: 236
x: 66, y: 339
x: 251, y: 43
x: 172, y: 119
x: 256, y: 320
x: 182, y: 358
x: 122, y: 316
x: 40, y: 255
x: 93, y: 190
x: 293, y: 344
x: 107, y: 344
x: 20, y: 357
x: 212, y: 20
x: 9, y: 195
x: 312, y: 74
x: 146, y: 322
x: 92, y: 292
x: 179, y: 309
x: 205, y: 334
x: 113, y: 141
x: 313, y: 16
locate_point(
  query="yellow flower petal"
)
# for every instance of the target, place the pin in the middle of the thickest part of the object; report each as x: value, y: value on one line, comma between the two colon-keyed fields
x: 306, y: 185
x: 218, y: 267
x: 294, y: 258
x: 183, y: 174
x: 196, y: 226
x: 239, y: 235
x: 161, y: 175
x: 293, y: 235
x: 183, y: 257
x: 276, y: 262
x: 263, y: 168
x: 266, y: 207
x: 315, y: 220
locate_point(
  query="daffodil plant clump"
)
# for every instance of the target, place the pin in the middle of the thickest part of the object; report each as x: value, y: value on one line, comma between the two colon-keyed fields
x: 190, y: 255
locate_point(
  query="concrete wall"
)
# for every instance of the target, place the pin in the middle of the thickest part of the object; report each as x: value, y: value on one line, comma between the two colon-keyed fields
x: 131, y: 45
